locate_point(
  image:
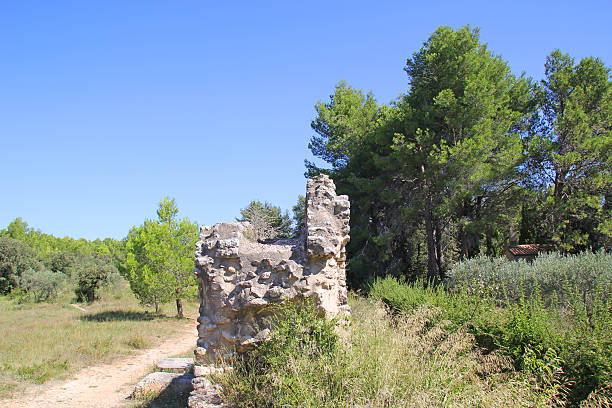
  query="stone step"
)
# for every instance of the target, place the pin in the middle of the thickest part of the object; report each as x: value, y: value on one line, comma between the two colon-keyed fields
x: 176, y: 365
x: 156, y: 383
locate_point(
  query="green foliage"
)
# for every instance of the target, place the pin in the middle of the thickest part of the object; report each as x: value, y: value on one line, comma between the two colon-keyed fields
x: 42, y: 285
x: 267, y: 220
x: 459, y: 308
x: 557, y: 304
x: 90, y: 277
x: 435, y: 171
x: 297, y: 327
x: 467, y: 155
x: 159, y: 262
x: 16, y: 258
x: 59, y: 254
x: 18, y: 229
x: 62, y: 261
x: 36, y: 265
x: 301, y: 343
x: 557, y: 279
x: 460, y: 137
x: 568, y: 152
x: 381, y: 361
x: 546, y: 369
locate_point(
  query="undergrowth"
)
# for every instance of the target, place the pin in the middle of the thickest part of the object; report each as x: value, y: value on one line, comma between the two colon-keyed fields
x: 556, y: 306
x: 497, y: 334
x: 413, y: 359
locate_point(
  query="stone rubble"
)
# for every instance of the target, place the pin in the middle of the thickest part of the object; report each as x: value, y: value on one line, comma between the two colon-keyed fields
x: 205, y: 394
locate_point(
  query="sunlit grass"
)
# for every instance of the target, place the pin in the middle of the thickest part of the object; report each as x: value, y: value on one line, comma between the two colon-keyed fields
x: 40, y: 342
x: 385, y: 360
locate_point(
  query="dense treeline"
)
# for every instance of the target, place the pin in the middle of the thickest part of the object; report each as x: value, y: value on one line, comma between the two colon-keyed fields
x: 468, y: 158
x: 34, y: 264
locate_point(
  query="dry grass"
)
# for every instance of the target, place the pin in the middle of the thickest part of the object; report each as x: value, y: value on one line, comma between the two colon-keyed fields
x: 390, y: 361
x: 40, y: 342
x: 408, y: 362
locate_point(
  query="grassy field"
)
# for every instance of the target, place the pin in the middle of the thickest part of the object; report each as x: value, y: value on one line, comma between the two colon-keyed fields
x: 45, y: 341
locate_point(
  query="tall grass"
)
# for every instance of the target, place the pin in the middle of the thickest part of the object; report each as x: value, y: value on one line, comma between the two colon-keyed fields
x: 557, y: 305
x: 407, y: 360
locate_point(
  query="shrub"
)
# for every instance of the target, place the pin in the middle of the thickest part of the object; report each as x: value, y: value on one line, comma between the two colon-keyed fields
x: 297, y: 359
x: 15, y: 258
x: 459, y: 308
x: 43, y: 285
x: 558, y: 303
x: 559, y: 280
x: 61, y: 262
x: 382, y: 361
x: 90, y: 277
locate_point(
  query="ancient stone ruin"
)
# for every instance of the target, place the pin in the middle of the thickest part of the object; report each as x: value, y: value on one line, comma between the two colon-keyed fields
x: 239, y: 278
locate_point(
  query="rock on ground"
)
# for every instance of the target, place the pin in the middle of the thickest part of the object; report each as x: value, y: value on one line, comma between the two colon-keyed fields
x: 157, y: 382
x: 176, y: 365
x: 206, y: 395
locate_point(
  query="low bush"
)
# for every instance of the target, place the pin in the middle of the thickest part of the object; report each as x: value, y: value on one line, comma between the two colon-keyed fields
x: 42, y: 285
x: 299, y: 358
x: 383, y: 360
x: 90, y: 277
x: 556, y: 305
x: 560, y: 281
x: 15, y: 259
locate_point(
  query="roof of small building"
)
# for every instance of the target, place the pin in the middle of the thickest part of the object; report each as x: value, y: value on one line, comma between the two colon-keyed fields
x: 524, y: 250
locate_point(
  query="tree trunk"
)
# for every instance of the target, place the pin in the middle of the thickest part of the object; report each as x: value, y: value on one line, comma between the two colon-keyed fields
x: 463, y: 239
x: 439, y: 255
x: 179, y: 308
x: 156, y: 307
x: 429, y: 231
x: 432, y: 269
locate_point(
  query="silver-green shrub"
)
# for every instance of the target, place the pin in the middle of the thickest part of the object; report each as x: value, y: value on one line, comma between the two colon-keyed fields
x: 559, y: 280
x: 43, y: 284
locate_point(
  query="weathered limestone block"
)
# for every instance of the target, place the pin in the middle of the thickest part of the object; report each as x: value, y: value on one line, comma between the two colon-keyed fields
x: 155, y: 383
x: 238, y: 278
x: 175, y: 365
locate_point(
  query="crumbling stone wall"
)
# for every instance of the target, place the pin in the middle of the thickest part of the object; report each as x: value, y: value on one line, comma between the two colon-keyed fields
x: 238, y: 278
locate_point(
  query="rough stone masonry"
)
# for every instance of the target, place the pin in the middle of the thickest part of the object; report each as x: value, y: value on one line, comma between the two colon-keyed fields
x: 238, y: 277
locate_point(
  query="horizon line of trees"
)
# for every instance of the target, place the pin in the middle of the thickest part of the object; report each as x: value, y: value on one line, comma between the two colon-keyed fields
x: 37, y: 265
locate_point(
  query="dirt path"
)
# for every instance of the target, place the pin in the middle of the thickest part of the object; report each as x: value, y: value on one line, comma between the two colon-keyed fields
x: 107, y: 385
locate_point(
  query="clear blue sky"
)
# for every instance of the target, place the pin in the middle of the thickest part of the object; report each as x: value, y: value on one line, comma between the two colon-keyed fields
x: 108, y: 106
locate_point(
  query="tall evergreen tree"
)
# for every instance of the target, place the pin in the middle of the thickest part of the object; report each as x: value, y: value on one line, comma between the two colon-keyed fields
x: 461, y: 138
x: 568, y: 152
x: 434, y: 163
